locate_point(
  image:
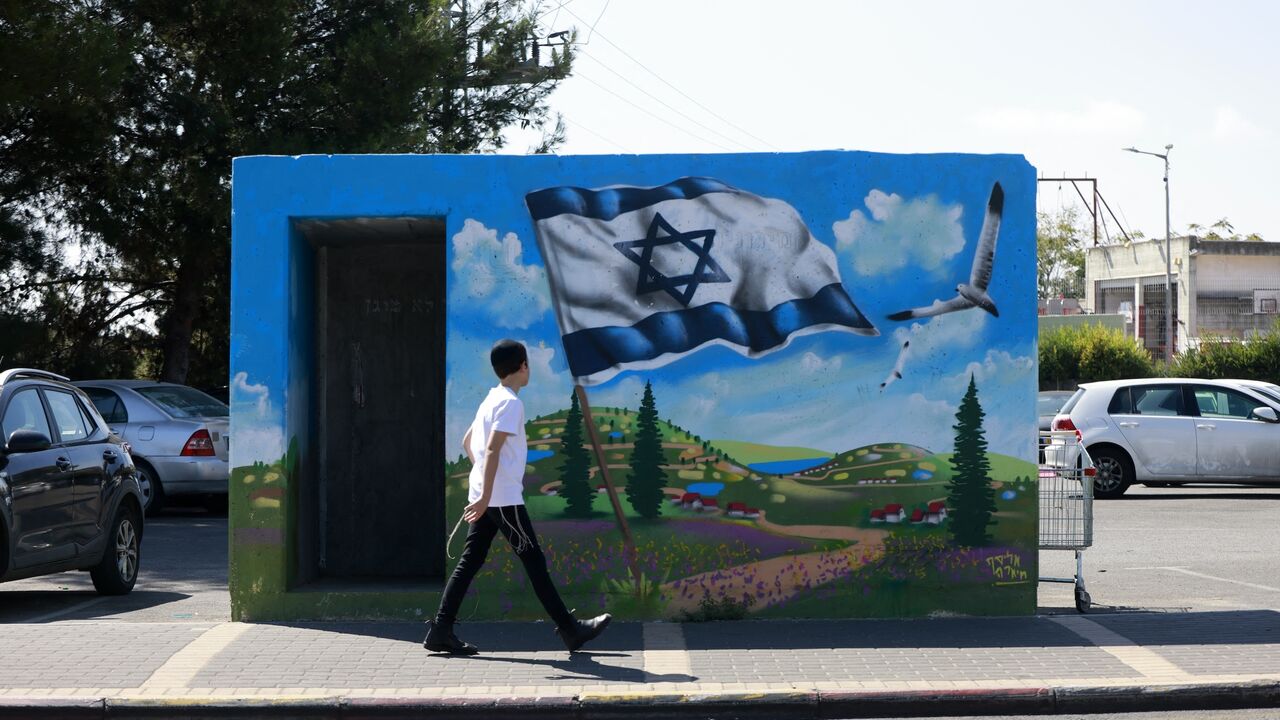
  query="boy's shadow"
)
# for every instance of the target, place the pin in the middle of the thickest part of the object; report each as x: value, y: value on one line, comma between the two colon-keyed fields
x: 586, y: 667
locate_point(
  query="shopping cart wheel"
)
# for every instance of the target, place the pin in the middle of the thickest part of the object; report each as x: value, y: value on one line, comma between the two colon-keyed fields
x: 1083, y: 601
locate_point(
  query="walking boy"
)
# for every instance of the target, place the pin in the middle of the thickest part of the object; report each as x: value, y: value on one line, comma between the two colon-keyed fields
x: 496, y: 445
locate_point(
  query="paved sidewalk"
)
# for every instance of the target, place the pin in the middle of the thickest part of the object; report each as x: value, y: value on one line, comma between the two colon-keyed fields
x: 863, y: 668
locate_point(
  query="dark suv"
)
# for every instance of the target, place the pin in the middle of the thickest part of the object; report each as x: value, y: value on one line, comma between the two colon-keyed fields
x: 69, y: 499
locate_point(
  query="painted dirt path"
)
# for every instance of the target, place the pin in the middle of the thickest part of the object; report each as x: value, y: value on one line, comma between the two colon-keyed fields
x: 820, y: 532
x: 775, y: 580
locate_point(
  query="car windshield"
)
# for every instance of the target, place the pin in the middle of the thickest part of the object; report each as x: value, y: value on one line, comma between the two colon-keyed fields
x: 1051, y: 403
x: 184, y: 402
x: 1270, y: 392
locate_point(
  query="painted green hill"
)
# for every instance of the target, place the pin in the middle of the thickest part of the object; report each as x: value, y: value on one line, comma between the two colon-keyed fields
x: 752, y: 453
x: 841, y: 491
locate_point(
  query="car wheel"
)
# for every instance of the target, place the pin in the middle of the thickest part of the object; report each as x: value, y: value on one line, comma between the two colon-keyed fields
x: 1114, y: 473
x: 152, y: 490
x: 116, y: 573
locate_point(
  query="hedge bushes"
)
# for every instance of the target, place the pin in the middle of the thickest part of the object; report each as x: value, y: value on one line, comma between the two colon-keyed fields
x: 1086, y: 353
x: 1257, y: 359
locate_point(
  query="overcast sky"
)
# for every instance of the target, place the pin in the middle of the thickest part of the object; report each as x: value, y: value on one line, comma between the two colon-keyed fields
x: 1065, y: 84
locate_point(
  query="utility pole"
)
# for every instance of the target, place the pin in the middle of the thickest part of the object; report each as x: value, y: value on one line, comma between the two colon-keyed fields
x: 1168, y: 253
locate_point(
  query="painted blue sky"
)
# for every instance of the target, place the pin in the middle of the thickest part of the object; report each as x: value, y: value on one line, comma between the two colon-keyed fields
x: 904, y: 230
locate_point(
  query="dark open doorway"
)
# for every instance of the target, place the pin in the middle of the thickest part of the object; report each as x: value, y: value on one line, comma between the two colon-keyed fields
x: 374, y: 509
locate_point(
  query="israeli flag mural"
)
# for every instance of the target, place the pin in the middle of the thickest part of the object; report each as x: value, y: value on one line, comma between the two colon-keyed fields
x: 641, y: 277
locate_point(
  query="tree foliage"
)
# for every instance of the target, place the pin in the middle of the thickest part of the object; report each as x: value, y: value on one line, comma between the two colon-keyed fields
x: 575, y: 473
x: 120, y: 119
x: 970, y: 498
x: 647, y: 478
x: 1060, y: 250
x: 1221, y: 230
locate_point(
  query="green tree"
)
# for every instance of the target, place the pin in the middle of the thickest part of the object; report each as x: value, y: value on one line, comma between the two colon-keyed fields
x: 647, y: 478
x: 575, y: 473
x: 1221, y: 230
x: 970, y: 499
x: 1060, y: 244
x: 171, y: 92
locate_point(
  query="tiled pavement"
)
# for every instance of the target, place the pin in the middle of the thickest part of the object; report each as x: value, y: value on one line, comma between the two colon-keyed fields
x: 111, y: 661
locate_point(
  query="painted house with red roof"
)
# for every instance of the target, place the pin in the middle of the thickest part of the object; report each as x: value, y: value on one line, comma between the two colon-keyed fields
x: 917, y: 516
x: 736, y: 509
x: 691, y: 501
x: 710, y: 504
x: 937, y: 513
x: 894, y: 513
x: 751, y: 513
x: 877, y: 515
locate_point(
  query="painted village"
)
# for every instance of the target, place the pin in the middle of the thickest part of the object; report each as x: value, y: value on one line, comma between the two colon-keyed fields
x: 727, y: 529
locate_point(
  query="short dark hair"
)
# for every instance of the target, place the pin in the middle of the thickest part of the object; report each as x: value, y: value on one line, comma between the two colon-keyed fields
x: 507, y: 356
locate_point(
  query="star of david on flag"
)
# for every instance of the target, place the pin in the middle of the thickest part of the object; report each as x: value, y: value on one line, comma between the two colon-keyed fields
x: 680, y: 287
x: 641, y: 277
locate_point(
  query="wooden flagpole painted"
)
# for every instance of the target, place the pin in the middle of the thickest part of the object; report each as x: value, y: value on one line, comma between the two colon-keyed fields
x: 629, y: 542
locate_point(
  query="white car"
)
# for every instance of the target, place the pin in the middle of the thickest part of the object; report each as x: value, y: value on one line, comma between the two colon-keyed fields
x: 1166, y: 431
x: 179, y: 436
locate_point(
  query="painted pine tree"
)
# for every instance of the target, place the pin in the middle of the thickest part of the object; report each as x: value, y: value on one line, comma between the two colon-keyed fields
x: 970, y: 499
x: 575, y: 473
x: 647, y: 478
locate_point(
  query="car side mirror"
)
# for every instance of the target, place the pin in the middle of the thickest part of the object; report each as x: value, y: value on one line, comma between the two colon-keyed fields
x: 1266, y: 413
x: 24, y: 441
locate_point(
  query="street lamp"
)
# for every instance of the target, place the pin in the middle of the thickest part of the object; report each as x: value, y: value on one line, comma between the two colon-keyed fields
x: 1168, y: 253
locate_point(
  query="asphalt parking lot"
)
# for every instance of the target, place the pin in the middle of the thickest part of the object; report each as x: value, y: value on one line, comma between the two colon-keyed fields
x: 182, y: 578
x: 1197, y: 548
x: 1207, y: 547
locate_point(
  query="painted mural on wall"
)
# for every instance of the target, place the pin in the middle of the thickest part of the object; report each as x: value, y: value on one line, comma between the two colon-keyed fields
x: 811, y: 376
x: 795, y: 426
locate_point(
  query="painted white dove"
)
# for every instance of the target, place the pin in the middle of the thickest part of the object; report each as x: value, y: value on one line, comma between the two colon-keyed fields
x: 973, y: 294
x: 896, y: 374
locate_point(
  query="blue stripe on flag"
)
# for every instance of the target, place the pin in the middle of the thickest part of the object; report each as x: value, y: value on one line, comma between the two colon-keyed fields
x: 609, y: 203
x: 593, y: 350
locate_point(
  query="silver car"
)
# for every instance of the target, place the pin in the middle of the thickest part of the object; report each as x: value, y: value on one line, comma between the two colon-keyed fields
x: 1170, y: 431
x: 179, y: 437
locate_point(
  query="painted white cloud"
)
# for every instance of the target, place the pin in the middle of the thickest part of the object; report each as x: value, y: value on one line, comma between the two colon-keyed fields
x: 942, y: 334
x: 1098, y: 117
x: 257, y: 430
x: 895, y: 233
x: 1006, y: 387
x: 471, y: 377
x: 244, y: 392
x: 997, y: 368
x: 810, y: 363
x: 1230, y: 125
x: 491, y: 274
x: 256, y: 443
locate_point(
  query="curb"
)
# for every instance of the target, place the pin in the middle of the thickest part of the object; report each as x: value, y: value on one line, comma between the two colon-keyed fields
x: 717, y: 706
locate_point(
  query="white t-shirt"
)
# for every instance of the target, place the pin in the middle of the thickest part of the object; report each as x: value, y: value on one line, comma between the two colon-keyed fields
x: 501, y: 411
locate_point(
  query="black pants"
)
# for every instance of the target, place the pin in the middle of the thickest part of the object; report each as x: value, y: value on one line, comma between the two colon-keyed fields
x: 513, y: 522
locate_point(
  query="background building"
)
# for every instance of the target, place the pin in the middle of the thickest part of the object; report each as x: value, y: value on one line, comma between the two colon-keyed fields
x: 1221, y: 288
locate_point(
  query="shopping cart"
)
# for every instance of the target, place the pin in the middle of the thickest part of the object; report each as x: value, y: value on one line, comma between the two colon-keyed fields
x: 1066, y: 503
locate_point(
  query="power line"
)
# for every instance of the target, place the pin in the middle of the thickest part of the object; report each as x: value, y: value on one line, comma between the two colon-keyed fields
x: 663, y: 103
x: 673, y: 87
x: 652, y: 114
x: 579, y: 125
x: 555, y: 10
x: 594, y: 24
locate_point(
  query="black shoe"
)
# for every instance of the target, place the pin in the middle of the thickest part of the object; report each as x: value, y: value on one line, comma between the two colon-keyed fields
x: 583, y: 631
x: 440, y: 638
